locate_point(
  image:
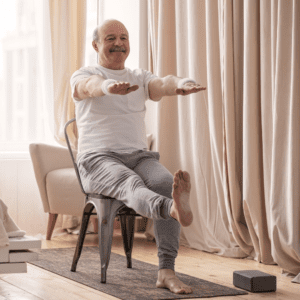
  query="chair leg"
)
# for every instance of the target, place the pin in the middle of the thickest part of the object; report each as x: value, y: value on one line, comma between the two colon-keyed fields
x: 127, y: 224
x: 84, y: 224
x: 106, y: 211
x: 51, y: 223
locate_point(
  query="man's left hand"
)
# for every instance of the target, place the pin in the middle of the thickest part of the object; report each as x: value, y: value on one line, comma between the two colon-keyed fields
x: 189, y: 88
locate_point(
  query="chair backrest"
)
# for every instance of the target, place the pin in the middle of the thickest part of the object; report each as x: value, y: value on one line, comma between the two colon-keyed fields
x: 72, y: 156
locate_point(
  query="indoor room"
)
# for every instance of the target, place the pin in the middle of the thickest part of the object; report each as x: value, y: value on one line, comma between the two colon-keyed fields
x: 149, y: 149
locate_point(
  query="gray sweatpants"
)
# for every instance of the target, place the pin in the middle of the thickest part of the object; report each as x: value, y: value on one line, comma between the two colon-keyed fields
x: 143, y: 184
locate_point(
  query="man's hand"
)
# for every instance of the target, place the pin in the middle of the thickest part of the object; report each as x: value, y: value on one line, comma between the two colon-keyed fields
x: 121, y: 88
x: 189, y: 88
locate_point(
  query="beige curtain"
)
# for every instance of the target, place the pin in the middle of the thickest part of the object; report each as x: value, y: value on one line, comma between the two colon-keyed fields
x: 240, y: 139
x: 68, y: 31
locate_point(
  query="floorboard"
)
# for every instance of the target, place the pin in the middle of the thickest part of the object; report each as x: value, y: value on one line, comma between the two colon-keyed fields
x: 11, y: 291
x: 41, y: 284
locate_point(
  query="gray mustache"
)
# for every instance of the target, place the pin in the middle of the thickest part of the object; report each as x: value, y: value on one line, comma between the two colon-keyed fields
x: 117, y: 49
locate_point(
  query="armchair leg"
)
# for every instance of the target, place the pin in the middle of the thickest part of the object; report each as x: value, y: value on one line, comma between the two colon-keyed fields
x: 51, y: 223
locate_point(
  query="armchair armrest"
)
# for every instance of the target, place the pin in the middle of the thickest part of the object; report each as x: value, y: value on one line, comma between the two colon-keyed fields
x: 46, y: 158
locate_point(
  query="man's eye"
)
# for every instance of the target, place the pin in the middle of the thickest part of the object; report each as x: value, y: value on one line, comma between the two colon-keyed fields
x: 110, y: 39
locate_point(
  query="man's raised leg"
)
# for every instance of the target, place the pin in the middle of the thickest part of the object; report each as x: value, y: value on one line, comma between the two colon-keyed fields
x: 167, y: 231
x: 146, y: 186
x: 180, y: 211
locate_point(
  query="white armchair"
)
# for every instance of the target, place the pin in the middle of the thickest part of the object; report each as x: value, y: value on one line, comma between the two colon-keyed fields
x: 57, y: 182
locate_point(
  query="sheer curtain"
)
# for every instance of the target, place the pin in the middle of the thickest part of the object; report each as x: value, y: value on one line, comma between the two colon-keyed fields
x: 39, y: 52
x: 68, y: 30
x: 25, y: 79
x: 239, y: 139
x: 62, y: 33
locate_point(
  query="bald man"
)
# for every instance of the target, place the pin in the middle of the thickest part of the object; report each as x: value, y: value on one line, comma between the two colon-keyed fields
x: 112, y: 152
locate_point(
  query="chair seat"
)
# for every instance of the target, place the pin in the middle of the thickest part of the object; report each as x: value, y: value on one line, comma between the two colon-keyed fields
x: 64, y: 193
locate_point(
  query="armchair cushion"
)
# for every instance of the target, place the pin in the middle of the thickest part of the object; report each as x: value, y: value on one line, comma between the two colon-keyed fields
x: 46, y: 158
x: 64, y: 193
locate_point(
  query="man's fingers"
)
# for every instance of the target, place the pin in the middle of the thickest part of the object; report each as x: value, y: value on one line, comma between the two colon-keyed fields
x: 132, y: 88
x: 118, y: 87
x: 179, y: 91
x: 122, y: 88
x: 123, y: 85
x: 189, y: 90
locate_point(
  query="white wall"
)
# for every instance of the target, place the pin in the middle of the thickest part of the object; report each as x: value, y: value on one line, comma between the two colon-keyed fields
x: 19, y: 191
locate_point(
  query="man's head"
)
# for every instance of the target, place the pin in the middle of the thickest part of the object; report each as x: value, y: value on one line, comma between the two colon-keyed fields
x: 111, y: 41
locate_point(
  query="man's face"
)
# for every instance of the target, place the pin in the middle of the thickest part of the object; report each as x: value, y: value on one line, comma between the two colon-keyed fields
x: 113, y: 45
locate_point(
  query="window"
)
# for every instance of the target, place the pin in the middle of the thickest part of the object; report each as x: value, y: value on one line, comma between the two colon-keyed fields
x: 22, y: 113
x: 20, y: 110
x: 23, y: 116
x: 91, y: 23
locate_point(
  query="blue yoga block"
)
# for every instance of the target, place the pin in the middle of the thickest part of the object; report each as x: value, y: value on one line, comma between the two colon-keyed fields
x: 254, y: 281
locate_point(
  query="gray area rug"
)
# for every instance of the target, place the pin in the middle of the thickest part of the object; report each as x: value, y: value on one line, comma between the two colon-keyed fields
x: 137, y: 283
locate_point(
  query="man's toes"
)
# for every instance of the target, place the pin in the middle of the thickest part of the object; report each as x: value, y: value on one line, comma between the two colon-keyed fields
x: 180, y: 291
x: 175, y: 187
x: 186, y: 290
x: 186, y: 176
x: 177, y: 174
x: 183, y: 290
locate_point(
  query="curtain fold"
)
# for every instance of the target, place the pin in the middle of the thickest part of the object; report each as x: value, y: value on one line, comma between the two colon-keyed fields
x: 232, y: 116
x: 193, y: 140
x: 163, y: 44
x: 239, y: 139
x: 285, y: 156
x: 68, y: 31
x: 65, y: 22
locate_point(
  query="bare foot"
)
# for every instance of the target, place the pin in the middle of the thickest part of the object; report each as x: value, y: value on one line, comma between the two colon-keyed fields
x: 168, y: 280
x: 180, y: 209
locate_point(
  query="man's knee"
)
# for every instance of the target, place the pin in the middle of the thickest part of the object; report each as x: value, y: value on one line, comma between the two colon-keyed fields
x: 163, y: 187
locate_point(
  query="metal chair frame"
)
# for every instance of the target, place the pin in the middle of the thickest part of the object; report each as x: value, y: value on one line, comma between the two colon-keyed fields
x: 106, y: 210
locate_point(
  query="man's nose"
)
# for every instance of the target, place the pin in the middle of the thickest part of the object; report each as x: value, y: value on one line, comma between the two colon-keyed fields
x: 118, y: 42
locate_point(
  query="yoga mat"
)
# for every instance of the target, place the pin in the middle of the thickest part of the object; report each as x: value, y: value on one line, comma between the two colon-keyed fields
x: 137, y: 283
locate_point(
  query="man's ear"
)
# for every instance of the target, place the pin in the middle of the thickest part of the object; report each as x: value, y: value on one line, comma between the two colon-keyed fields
x: 95, y: 46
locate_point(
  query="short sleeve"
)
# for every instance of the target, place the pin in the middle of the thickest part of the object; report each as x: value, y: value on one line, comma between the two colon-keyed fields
x: 148, y: 76
x: 77, y: 76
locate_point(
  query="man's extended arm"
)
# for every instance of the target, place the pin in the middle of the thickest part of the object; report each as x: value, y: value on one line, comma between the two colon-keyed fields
x: 168, y: 86
x: 92, y: 87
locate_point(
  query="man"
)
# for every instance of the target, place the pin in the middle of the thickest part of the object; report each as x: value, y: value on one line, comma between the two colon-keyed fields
x: 112, y: 153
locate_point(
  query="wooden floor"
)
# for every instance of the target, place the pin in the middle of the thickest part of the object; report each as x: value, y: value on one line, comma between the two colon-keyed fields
x: 40, y: 284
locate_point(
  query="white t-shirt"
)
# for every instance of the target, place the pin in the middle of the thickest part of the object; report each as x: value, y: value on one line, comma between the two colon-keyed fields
x: 115, y: 122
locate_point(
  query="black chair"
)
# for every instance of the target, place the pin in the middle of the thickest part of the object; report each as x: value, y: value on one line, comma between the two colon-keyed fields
x: 106, y: 210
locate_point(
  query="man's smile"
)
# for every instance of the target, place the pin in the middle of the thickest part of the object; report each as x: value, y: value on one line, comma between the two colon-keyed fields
x: 117, y: 50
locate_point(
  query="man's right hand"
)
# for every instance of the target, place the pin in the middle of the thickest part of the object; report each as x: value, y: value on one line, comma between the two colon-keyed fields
x: 121, y: 88
x: 91, y: 87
